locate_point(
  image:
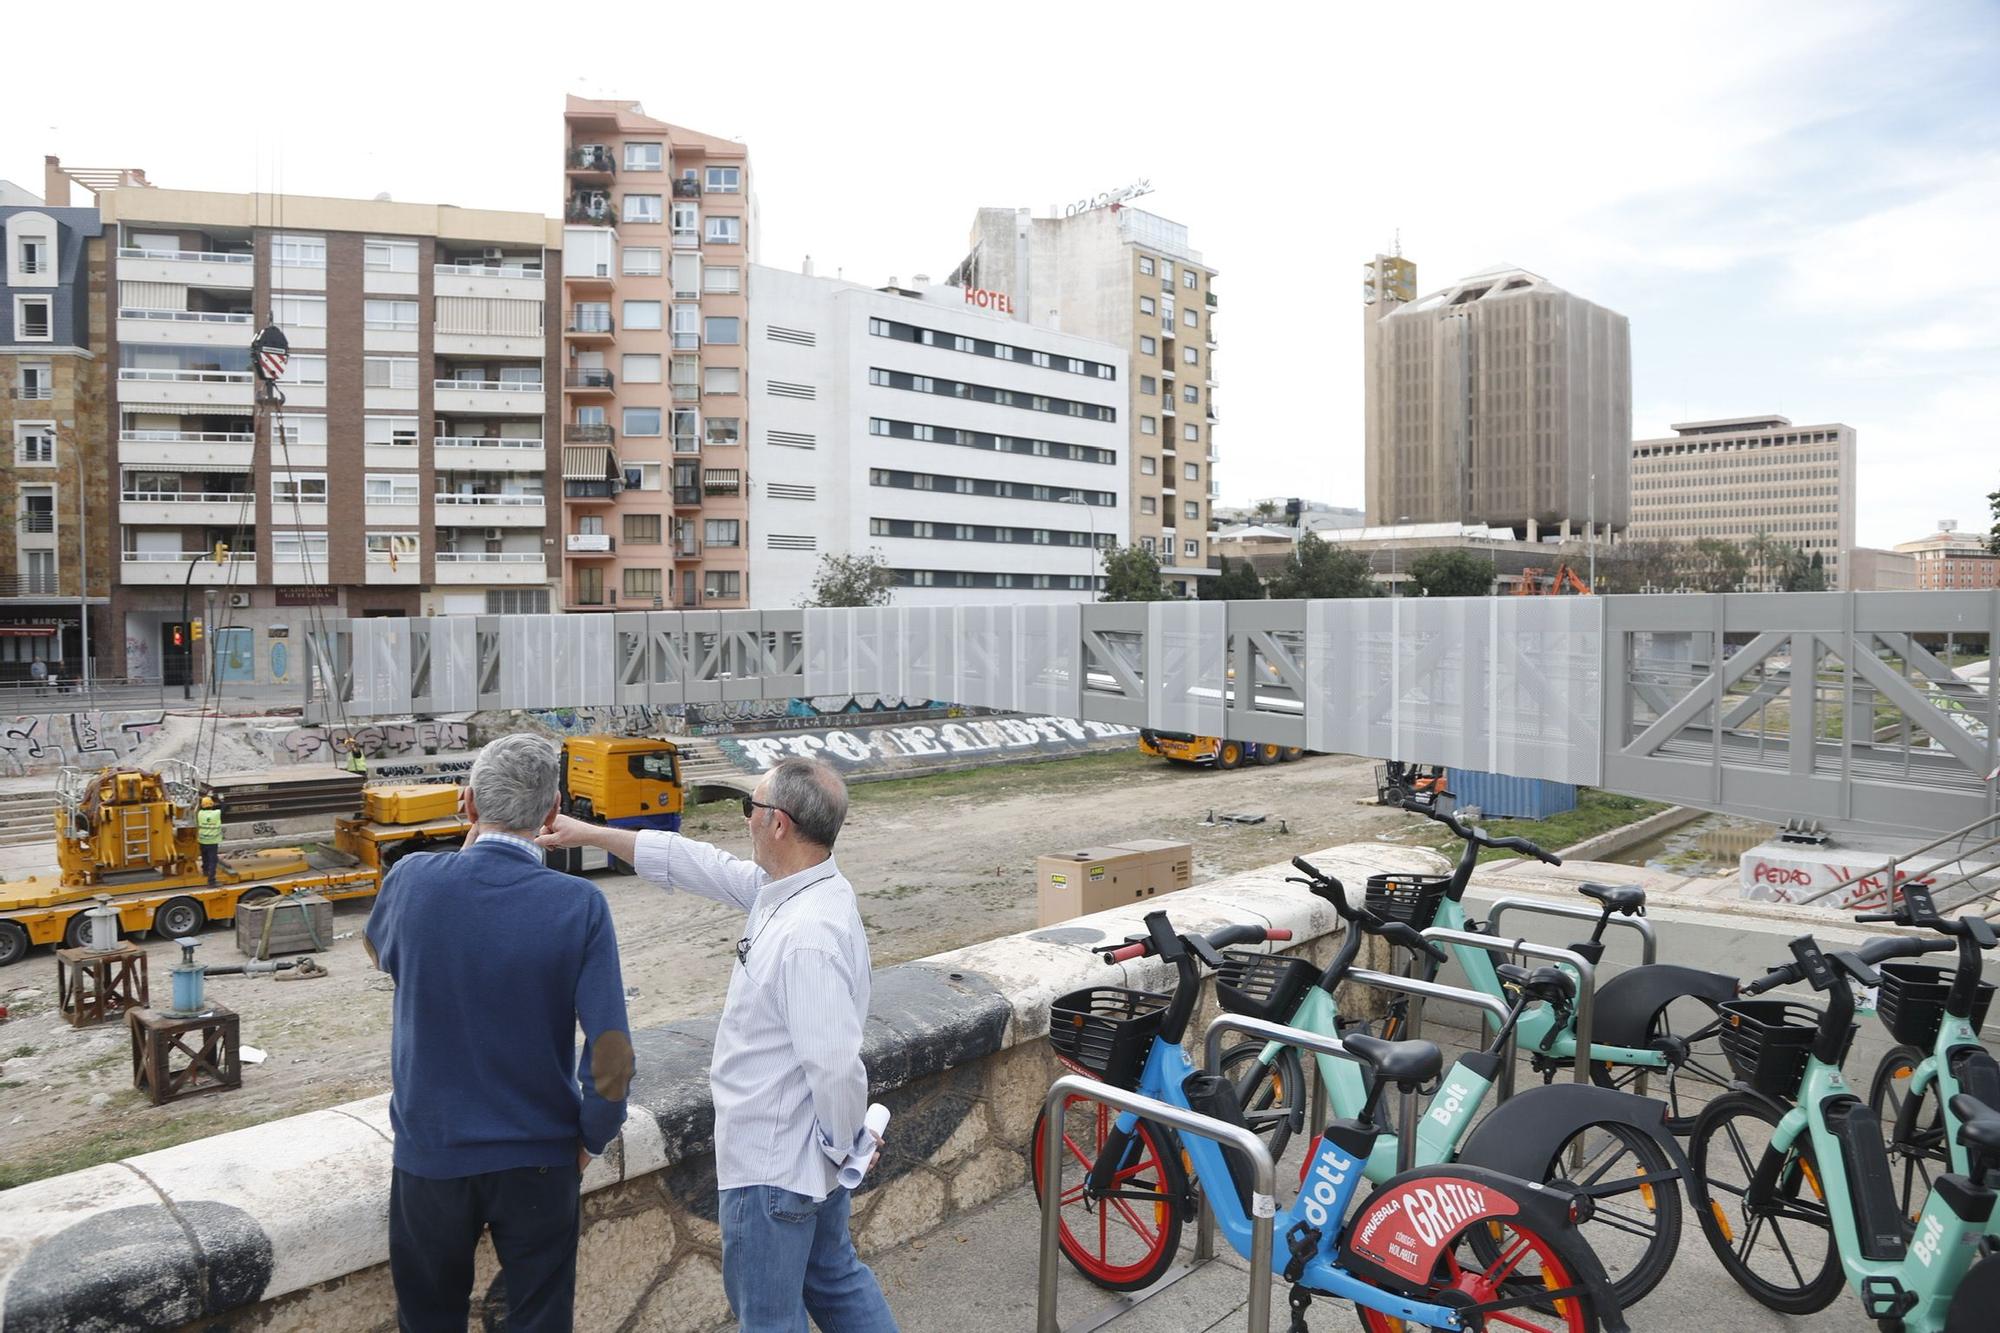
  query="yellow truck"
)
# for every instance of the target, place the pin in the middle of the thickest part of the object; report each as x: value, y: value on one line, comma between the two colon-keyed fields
x: 1214, y: 751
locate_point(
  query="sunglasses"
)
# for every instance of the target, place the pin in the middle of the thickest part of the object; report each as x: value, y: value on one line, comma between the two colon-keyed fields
x: 751, y: 805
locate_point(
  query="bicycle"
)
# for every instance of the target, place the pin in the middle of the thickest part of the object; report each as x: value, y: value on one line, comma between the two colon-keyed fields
x: 1633, y: 1033
x: 1935, y: 1019
x: 1404, y: 1258
x: 1762, y: 1146
x: 1611, y: 1145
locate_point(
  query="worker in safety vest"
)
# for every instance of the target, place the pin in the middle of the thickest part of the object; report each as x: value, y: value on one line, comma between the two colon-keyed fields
x: 208, y: 831
x: 353, y: 761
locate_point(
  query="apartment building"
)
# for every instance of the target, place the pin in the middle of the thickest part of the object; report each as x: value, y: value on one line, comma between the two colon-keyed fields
x: 1501, y: 400
x: 1738, y: 478
x: 1126, y: 276
x: 982, y: 456
x: 404, y: 473
x: 1950, y: 559
x: 658, y: 229
x: 54, y: 569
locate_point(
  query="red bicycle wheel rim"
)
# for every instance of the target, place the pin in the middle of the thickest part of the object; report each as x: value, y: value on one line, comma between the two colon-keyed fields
x: 1089, y: 1243
x: 1485, y: 1285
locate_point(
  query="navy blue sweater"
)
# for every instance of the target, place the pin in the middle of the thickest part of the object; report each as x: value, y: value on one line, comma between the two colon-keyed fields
x: 497, y: 960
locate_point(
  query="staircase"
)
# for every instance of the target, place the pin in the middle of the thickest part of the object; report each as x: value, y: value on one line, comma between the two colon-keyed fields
x: 26, y: 817
x: 704, y: 765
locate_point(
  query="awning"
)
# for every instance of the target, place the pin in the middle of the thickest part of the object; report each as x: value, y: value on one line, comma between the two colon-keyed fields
x: 190, y: 409
x: 588, y: 462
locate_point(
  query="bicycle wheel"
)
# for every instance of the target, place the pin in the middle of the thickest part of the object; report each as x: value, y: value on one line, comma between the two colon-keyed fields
x: 1125, y: 1241
x: 1510, y: 1286
x: 1267, y: 1094
x: 1635, y: 1228
x: 1912, y: 1127
x: 1781, y: 1251
x: 1702, y: 1075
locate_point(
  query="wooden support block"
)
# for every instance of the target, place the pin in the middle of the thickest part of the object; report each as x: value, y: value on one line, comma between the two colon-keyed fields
x: 175, y: 1057
x: 94, y: 987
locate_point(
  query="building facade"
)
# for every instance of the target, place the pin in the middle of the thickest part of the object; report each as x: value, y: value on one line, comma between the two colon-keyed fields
x: 1950, y: 559
x: 1129, y: 277
x: 55, y: 562
x: 1501, y: 400
x: 983, y: 457
x: 1867, y: 569
x: 404, y: 473
x: 1738, y: 478
x: 658, y: 228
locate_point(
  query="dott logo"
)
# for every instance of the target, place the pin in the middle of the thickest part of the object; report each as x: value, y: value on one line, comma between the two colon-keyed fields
x: 1330, y: 1172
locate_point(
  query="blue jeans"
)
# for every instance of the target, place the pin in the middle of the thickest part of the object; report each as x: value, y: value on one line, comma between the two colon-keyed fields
x: 785, y: 1255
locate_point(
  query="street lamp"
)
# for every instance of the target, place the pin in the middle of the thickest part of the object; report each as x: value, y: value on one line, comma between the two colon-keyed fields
x: 1076, y: 498
x: 1395, y: 584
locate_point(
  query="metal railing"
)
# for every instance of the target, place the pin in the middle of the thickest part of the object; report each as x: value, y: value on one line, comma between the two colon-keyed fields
x: 185, y: 376
x: 482, y: 442
x: 604, y: 489
x: 489, y: 557
x: 506, y: 501
x: 36, y: 392
x: 1648, y: 944
x: 195, y: 497
x: 590, y: 159
x: 1242, y: 1140
x: 588, y: 321
x: 490, y: 386
x: 185, y: 437
x: 687, y: 189
x: 473, y: 268
x: 687, y: 495
x: 588, y: 377
x: 594, y: 432
x: 1586, y: 978
x: 190, y: 256
x: 1416, y: 987
x: 186, y: 316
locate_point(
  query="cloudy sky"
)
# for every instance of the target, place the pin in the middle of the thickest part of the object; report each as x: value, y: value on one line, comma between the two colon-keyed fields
x: 1797, y: 205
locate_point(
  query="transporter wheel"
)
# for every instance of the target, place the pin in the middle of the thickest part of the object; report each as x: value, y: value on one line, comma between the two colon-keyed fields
x: 177, y: 917
x: 1229, y: 755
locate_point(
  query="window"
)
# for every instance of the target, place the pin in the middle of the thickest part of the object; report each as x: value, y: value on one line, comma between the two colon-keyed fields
x: 394, y: 432
x: 1147, y: 306
x: 307, y: 488
x: 305, y: 370
x: 1148, y: 466
x: 1190, y: 432
x: 1191, y: 547
x: 687, y: 326
x: 1190, y: 279
x: 1191, y: 471
x: 35, y: 443
x: 1148, y: 385
x: 721, y: 379
x: 687, y: 220
x: 303, y: 312
x: 642, y: 208
x: 1149, y: 426
x: 642, y: 314
x: 32, y: 257
x: 32, y: 320
x: 298, y: 428
x: 1148, y: 505
x: 1148, y: 344
x: 722, y: 329
x: 1192, y: 509
x: 687, y: 275
x: 387, y: 548
x: 641, y: 261
x: 1167, y: 272
x: 722, y: 279
x: 298, y: 251
x: 292, y: 548
x: 722, y: 583
x: 641, y: 368
x: 395, y: 316
x: 642, y: 157
x: 721, y: 531
x: 1191, y: 355
x: 388, y: 372
x: 37, y: 381
x: 642, y: 421
x: 642, y: 529
x: 389, y: 256
x: 1190, y: 393
x: 725, y: 430
x: 1146, y: 265
x: 725, y: 180
x: 642, y: 583
x: 1190, y: 318
x: 725, y: 230
x: 391, y: 488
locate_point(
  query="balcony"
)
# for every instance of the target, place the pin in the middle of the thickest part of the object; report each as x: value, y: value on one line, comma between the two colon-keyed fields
x: 687, y: 445
x: 591, y: 489
x: 186, y: 388
x: 687, y: 497
x: 591, y: 210
x: 406, y: 569
x: 589, y: 544
x: 36, y: 523
x: 189, y: 268
x: 687, y: 551
x: 488, y: 510
x: 589, y: 380
x: 490, y: 278
x: 594, y: 599
x: 479, y: 453
x: 687, y: 240
x: 502, y: 397
x: 203, y: 328
x: 490, y: 567
x: 587, y: 163
x: 192, y: 450
x: 1210, y: 298
x: 588, y: 325
x: 1167, y: 408
x: 188, y: 508
x: 176, y: 569
x: 44, y: 392
x: 592, y: 433
x: 687, y: 189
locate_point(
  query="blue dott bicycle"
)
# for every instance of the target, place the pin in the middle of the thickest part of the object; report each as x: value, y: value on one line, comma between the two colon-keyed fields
x: 1444, y: 1247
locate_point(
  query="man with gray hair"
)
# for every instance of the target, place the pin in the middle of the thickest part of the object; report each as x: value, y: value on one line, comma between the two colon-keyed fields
x: 497, y: 960
x: 789, y: 1086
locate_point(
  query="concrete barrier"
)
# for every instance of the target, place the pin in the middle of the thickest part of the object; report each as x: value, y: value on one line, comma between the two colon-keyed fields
x: 284, y: 1226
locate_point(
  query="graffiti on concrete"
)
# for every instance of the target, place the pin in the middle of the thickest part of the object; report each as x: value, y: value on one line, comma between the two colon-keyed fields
x: 920, y: 744
x: 442, y: 770
x: 609, y: 719
x: 388, y: 740
x: 45, y: 741
x: 1770, y: 878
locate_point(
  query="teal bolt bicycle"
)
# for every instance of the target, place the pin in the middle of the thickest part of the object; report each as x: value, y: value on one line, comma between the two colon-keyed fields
x: 1793, y: 1181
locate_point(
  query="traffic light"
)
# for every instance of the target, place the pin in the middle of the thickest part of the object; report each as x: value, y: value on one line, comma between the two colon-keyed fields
x: 196, y: 628
x: 222, y: 553
x: 180, y: 637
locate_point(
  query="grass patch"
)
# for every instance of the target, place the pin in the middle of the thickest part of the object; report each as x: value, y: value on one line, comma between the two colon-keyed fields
x: 21, y: 1052
x: 1019, y: 778
x: 1596, y: 812
x: 113, y: 1144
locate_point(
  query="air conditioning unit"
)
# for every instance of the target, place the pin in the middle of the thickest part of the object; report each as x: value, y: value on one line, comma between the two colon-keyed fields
x: 494, y: 254
x: 604, y: 270
x: 492, y: 534
x: 239, y: 600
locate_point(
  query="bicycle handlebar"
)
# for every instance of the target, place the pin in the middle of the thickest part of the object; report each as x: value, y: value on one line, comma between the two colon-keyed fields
x: 1369, y: 923
x: 1478, y: 836
x: 1215, y: 939
x: 1917, y: 909
x: 1783, y: 976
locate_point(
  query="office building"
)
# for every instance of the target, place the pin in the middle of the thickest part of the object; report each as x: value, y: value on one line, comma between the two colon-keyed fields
x: 404, y: 473
x: 1739, y: 478
x: 1867, y: 569
x: 1501, y: 400
x: 1129, y: 277
x: 983, y: 457
x: 658, y: 229
x: 55, y: 562
x: 1950, y: 559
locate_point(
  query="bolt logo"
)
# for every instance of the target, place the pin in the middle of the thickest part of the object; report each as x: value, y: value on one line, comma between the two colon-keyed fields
x: 1446, y: 1108
x: 1330, y: 1172
x: 1926, y: 1245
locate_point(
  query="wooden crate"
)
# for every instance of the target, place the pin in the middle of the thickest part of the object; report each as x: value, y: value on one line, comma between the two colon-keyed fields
x: 93, y: 987
x: 175, y: 1057
x: 285, y: 924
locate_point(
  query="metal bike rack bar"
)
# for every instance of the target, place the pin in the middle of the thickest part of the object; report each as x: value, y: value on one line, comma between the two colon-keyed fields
x: 1486, y: 1004
x: 1648, y: 947
x: 1586, y: 978
x: 1263, y: 1186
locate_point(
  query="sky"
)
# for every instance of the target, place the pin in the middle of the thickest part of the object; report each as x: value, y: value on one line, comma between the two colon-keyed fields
x: 1797, y: 205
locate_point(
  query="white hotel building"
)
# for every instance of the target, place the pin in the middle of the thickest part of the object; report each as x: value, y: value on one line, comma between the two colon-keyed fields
x: 983, y: 457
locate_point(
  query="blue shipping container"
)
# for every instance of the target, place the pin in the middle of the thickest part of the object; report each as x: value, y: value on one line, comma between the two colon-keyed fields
x: 1499, y: 796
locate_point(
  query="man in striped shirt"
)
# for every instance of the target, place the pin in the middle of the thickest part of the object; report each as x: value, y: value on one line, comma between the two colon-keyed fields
x: 789, y: 1087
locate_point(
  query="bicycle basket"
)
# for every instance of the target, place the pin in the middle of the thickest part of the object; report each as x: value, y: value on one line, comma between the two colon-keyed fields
x: 1106, y: 1031
x: 1768, y: 1043
x: 1262, y: 985
x: 1911, y: 1002
x: 1410, y: 898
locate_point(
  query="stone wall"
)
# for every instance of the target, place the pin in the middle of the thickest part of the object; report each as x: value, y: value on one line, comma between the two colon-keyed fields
x: 284, y: 1226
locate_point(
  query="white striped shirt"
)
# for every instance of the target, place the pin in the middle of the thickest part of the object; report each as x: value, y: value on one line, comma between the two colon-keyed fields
x: 789, y: 1087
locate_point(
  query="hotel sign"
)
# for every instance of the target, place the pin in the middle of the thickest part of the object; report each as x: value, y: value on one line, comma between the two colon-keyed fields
x: 989, y: 300
x: 1111, y: 199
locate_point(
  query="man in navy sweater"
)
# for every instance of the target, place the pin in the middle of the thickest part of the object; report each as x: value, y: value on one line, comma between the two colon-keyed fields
x: 497, y: 961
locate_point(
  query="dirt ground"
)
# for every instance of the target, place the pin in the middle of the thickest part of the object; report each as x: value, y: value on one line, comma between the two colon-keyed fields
x: 939, y: 862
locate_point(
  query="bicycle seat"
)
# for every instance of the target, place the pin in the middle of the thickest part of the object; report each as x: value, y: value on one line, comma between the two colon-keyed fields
x: 1397, y: 1061
x: 1626, y: 898
x: 1511, y: 974
x: 1978, y: 1123
x: 1551, y: 983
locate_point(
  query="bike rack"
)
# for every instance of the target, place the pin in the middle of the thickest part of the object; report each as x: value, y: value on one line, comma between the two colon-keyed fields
x: 1586, y: 978
x: 1264, y: 1184
x: 1486, y: 1004
x: 1648, y: 946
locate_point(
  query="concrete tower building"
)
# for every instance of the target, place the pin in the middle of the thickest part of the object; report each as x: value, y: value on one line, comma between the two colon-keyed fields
x: 1501, y: 400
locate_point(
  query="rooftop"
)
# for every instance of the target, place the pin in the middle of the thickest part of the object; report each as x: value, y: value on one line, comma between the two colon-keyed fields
x: 1721, y: 424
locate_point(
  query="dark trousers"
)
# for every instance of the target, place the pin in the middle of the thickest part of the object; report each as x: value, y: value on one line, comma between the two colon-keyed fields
x: 209, y: 852
x: 434, y: 1226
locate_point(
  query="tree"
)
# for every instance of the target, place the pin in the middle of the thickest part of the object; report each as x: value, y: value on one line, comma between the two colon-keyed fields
x: 1131, y: 574
x: 1641, y: 566
x: 1452, y: 574
x: 1266, y: 510
x: 851, y: 580
x: 1237, y: 582
x: 1710, y: 564
x: 1318, y: 569
x: 1993, y: 536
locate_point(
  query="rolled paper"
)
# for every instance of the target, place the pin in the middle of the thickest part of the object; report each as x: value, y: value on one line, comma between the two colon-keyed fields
x: 873, y: 1126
